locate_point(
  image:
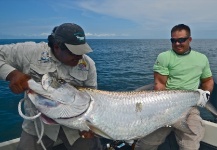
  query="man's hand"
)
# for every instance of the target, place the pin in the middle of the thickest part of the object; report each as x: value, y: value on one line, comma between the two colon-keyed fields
x: 18, y: 81
x: 204, y: 97
x: 86, y: 134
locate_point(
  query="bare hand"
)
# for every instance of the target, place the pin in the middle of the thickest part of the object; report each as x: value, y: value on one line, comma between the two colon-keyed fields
x: 87, y: 134
x: 18, y: 81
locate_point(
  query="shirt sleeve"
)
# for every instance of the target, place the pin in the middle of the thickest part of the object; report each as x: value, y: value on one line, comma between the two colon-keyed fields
x: 91, y: 81
x: 206, y: 71
x: 14, y: 56
x: 6, y: 66
x: 161, y: 64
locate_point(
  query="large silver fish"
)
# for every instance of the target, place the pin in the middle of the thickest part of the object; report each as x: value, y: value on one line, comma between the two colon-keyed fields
x: 113, y: 115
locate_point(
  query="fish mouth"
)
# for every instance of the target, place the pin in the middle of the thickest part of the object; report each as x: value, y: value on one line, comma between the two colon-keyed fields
x: 50, y: 121
x: 47, y: 120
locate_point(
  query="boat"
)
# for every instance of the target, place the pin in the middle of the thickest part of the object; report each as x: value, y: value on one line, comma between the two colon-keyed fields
x: 209, y: 141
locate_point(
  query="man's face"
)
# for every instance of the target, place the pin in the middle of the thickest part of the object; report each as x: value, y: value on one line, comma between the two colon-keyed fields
x: 180, y: 41
x: 67, y: 57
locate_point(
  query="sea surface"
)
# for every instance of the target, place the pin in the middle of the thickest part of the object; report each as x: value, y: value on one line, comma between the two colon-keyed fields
x: 122, y: 65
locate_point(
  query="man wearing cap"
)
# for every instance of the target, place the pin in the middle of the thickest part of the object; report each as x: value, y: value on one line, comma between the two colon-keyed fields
x: 64, y: 56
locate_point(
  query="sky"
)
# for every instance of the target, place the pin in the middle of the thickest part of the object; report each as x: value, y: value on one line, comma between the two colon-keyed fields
x: 108, y: 19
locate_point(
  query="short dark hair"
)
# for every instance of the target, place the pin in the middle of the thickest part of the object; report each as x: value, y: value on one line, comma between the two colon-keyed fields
x: 51, y: 39
x: 180, y: 27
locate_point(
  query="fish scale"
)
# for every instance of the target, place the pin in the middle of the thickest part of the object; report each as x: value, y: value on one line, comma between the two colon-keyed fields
x: 124, y: 122
x: 115, y: 115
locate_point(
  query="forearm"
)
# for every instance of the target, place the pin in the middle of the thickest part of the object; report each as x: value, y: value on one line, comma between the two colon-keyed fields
x: 160, y: 81
x: 5, y: 70
x: 207, y: 85
x: 159, y: 86
x: 18, y: 81
x: 11, y: 75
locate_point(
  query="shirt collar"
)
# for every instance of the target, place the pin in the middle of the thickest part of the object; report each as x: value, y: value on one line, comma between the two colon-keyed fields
x: 186, y: 53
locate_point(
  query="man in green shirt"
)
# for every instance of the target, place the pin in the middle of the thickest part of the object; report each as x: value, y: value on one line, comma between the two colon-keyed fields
x: 183, y: 69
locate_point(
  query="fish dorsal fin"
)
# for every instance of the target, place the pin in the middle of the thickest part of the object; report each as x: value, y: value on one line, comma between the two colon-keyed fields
x: 97, y: 131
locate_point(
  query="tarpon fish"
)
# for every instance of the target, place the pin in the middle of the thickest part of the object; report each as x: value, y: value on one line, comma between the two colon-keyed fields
x: 113, y: 115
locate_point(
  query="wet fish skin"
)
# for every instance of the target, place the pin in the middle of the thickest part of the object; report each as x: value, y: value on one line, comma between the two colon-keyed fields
x: 131, y: 115
x: 58, y: 103
x: 116, y: 115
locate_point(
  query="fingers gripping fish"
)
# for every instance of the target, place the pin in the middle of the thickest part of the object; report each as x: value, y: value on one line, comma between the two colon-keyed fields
x: 113, y: 115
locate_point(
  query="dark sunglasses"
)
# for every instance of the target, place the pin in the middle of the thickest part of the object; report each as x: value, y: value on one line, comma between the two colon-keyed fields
x: 180, y: 40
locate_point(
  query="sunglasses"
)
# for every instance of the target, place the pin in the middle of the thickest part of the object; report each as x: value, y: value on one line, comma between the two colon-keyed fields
x: 180, y: 40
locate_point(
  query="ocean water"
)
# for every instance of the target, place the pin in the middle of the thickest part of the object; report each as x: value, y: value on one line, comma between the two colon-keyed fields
x: 122, y: 65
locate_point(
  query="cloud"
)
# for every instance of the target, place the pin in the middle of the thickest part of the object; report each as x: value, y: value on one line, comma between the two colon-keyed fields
x: 100, y: 35
x: 105, y: 35
x: 112, y: 18
x: 156, y: 13
x: 44, y: 34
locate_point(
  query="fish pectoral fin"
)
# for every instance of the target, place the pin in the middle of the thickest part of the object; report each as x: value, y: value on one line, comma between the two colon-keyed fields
x: 97, y: 131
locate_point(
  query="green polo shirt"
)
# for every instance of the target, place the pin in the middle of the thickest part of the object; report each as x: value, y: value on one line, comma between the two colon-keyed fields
x: 183, y: 71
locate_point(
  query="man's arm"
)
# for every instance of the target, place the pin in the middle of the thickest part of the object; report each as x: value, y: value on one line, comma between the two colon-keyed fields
x: 160, y: 81
x: 18, y: 81
x: 11, y: 69
x: 91, y: 81
x: 207, y: 84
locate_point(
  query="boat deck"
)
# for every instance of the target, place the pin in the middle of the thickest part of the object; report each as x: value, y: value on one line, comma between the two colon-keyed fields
x: 169, y: 144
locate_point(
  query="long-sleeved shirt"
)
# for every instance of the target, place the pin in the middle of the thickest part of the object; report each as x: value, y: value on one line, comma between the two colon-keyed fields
x: 37, y: 59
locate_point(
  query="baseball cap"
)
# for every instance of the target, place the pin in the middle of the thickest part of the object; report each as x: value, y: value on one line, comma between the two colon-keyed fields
x: 72, y: 35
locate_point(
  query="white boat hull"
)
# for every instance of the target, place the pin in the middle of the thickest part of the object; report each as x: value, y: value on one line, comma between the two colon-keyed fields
x: 210, y: 136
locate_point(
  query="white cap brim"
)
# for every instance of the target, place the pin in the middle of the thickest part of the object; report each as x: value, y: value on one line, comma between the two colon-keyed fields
x: 79, y: 49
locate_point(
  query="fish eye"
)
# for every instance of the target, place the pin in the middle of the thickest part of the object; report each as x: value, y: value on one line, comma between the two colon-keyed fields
x: 61, y: 81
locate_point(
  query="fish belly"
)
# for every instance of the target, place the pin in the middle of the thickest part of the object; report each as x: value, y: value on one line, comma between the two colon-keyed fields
x: 127, y: 116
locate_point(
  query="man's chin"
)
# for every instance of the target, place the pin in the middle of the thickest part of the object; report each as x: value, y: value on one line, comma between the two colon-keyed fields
x: 72, y: 64
x: 180, y: 52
